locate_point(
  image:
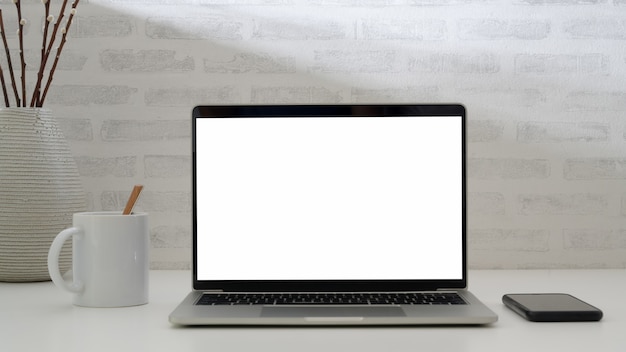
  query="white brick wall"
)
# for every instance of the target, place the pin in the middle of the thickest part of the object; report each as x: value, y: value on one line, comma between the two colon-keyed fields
x: 544, y: 82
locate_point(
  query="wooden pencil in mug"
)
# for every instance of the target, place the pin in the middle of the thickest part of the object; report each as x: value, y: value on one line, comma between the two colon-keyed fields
x: 132, y: 199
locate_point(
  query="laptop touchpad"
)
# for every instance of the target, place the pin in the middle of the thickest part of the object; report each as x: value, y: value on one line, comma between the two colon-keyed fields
x: 294, y: 312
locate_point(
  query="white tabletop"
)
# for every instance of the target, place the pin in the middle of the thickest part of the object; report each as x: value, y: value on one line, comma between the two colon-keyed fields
x: 40, y: 317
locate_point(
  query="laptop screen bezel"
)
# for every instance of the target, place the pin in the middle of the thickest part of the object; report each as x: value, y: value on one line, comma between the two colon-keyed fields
x: 347, y: 110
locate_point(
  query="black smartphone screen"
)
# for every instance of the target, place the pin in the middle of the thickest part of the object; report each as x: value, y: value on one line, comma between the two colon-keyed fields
x: 551, y: 307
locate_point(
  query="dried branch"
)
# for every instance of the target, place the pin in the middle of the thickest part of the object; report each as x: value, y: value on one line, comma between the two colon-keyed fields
x: 9, y: 64
x: 4, y: 88
x: 57, y: 24
x: 46, y: 54
x: 47, y: 45
x: 44, y: 58
x: 64, y: 32
x: 21, y: 23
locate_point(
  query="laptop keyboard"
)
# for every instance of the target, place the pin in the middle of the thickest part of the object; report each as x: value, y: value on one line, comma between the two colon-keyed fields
x: 427, y: 298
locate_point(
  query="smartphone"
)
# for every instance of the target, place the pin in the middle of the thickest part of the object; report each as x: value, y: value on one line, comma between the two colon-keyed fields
x: 551, y: 307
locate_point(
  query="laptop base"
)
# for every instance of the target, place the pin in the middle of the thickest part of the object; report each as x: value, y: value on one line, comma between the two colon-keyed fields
x: 474, y: 313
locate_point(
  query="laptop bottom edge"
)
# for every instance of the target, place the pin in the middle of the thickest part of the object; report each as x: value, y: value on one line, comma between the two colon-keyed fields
x: 189, y: 314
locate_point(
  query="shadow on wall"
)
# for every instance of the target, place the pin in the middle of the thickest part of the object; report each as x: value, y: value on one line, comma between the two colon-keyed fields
x: 541, y: 84
x: 233, y: 56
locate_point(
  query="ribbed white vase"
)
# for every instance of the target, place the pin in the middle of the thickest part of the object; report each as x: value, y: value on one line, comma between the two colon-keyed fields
x: 40, y: 189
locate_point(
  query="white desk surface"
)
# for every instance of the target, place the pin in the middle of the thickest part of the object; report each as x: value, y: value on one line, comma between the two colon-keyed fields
x: 40, y: 317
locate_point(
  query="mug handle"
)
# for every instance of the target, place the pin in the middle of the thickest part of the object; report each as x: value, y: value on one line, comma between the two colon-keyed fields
x: 53, y: 261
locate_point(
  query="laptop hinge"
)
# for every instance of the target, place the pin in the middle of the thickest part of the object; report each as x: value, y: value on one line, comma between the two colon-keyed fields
x: 450, y: 289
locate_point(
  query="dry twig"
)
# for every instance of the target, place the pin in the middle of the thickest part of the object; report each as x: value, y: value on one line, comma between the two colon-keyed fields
x: 44, y: 58
x: 20, y: 32
x: 64, y: 33
x: 4, y: 86
x: 9, y: 64
x: 47, y: 45
x: 36, y: 101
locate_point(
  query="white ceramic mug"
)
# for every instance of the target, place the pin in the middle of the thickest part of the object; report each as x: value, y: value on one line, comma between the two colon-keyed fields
x: 109, y: 259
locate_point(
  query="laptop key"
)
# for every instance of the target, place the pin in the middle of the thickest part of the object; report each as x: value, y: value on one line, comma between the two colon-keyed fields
x: 435, y: 298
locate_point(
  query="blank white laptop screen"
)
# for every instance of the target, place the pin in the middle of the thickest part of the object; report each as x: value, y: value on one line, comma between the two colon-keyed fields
x: 332, y: 198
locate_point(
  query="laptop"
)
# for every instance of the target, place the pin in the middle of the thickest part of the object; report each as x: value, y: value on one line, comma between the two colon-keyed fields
x: 329, y: 215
